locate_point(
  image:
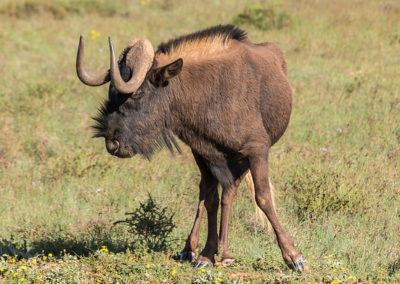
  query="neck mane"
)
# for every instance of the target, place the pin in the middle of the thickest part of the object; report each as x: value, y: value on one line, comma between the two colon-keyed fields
x: 201, y: 43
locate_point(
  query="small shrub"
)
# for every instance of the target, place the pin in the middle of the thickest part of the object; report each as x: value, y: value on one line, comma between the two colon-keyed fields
x: 150, y: 225
x: 262, y: 18
x: 318, y: 192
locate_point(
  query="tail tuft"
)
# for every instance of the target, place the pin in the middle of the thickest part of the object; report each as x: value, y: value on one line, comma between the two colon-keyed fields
x: 260, y: 216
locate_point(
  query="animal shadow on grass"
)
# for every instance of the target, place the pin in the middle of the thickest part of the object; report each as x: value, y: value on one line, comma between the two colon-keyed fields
x: 147, y: 228
x: 82, y: 245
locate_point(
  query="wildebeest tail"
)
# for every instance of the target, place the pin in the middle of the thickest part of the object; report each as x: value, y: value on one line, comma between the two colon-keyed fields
x: 259, y: 214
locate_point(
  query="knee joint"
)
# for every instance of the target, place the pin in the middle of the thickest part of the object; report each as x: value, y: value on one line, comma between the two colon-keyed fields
x: 227, y: 197
x: 263, y: 199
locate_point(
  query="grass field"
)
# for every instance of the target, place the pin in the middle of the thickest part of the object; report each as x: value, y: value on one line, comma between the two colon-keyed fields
x: 336, y: 170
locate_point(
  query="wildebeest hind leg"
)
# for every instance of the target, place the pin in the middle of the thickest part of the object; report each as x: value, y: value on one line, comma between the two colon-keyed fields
x: 228, y: 195
x: 259, y: 170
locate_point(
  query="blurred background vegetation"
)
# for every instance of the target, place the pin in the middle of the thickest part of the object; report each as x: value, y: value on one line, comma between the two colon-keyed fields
x: 336, y: 169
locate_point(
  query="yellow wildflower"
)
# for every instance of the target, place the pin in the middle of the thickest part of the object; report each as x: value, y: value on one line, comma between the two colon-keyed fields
x: 50, y: 254
x: 104, y: 249
x: 22, y: 280
x: 218, y: 279
x: 94, y: 34
x: 342, y: 269
x: 335, y: 281
x: 15, y: 274
x: 44, y: 257
x: 173, y: 272
x: 147, y: 265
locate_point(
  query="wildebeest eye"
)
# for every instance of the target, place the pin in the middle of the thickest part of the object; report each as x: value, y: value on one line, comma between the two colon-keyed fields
x: 128, y: 105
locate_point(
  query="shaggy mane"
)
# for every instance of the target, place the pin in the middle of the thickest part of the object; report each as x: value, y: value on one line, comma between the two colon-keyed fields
x: 206, y: 41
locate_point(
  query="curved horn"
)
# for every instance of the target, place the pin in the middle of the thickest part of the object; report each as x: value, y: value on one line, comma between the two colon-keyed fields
x: 138, y: 77
x: 83, y: 75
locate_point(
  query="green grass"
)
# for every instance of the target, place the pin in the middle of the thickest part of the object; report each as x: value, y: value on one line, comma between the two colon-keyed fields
x: 61, y: 192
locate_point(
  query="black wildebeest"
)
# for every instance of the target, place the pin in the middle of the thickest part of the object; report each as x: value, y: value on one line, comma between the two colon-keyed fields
x: 226, y: 97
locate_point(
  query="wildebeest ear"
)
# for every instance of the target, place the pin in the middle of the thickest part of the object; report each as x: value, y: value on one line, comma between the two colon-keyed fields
x: 161, y: 75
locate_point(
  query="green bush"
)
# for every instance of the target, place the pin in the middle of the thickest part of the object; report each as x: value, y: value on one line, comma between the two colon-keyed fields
x: 317, y: 192
x: 150, y: 225
x: 262, y: 18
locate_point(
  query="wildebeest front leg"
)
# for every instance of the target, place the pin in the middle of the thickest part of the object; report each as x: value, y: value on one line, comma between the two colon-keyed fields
x: 259, y: 170
x: 192, y: 242
x: 206, y: 257
x: 209, y: 200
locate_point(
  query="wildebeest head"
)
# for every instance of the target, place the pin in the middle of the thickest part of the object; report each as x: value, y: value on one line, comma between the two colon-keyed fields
x: 131, y: 119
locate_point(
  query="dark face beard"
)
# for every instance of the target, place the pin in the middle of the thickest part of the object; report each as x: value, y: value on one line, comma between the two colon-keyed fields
x: 100, y: 127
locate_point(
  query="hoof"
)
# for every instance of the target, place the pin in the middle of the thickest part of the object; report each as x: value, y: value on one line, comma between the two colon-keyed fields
x: 187, y: 256
x: 297, y: 265
x: 202, y: 264
x: 227, y: 261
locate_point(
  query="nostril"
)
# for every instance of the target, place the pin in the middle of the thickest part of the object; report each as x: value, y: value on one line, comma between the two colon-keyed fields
x: 112, y: 146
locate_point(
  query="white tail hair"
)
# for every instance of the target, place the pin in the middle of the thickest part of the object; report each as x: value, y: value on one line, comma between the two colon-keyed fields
x: 260, y: 216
